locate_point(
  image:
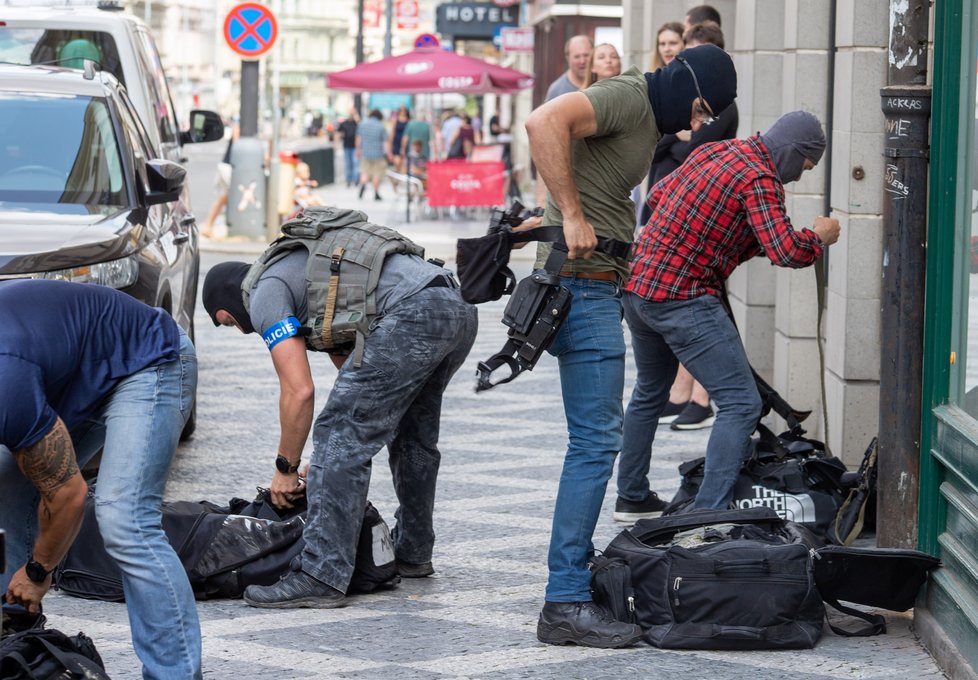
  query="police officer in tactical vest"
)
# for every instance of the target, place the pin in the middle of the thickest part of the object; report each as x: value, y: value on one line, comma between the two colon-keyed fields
x: 396, y: 327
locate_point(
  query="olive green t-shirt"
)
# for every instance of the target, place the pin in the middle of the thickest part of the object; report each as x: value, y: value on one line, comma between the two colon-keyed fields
x: 609, y: 164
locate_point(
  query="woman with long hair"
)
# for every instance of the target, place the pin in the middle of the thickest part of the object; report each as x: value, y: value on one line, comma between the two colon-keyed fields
x: 604, y: 62
x: 668, y: 43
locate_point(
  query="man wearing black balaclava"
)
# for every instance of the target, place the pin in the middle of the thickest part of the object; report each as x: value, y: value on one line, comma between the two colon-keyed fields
x: 591, y: 148
x: 396, y: 327
x: 721, y: 207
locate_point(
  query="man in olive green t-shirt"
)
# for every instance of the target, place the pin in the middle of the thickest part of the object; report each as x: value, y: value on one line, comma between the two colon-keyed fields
x: 591, y: 148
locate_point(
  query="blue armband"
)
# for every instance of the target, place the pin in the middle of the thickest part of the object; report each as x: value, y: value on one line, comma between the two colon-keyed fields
x: 286, y: 328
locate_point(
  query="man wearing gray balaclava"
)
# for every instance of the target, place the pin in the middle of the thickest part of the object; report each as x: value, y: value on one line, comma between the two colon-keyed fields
x: 591, y: 148
x: 721, y: 207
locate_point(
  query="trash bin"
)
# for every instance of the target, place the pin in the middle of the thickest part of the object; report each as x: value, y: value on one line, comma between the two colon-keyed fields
x: 320, y: 162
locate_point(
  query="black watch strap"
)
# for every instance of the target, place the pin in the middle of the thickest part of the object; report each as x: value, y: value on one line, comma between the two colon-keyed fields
x: 283, y: 465
x: 36, y: 571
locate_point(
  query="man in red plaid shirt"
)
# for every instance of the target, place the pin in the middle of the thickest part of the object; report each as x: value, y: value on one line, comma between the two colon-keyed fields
x: 721, y: 207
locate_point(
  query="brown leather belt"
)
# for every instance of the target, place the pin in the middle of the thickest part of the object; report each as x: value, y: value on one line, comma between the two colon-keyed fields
x: 593, y: 276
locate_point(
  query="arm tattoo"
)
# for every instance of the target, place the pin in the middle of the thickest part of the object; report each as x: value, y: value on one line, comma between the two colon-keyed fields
x: 50, y: 463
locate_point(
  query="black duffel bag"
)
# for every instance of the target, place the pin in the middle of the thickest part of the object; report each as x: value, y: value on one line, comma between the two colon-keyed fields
x: 741, y: 582
x: 49, y: 654
x: 224, y: 549
x: 788, y: 473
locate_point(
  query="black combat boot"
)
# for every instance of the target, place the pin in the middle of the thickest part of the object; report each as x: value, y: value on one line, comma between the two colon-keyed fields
x: 583, y: 623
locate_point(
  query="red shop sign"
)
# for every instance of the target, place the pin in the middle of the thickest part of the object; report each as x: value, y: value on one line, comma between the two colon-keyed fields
x: 461, y: 183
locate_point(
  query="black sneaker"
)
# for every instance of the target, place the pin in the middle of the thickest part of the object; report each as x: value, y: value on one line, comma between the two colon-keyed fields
x: 671, y: 412
x: 585, y: 624
x: 377, y: 197
x: 295, y: 590
x: 410, y: 570
x: 363, y: 187
x: 693, y: 417
x: 629, y: 511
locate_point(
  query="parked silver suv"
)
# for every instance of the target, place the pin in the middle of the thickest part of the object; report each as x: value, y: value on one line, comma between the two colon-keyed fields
x: 160, y: 267
x: 117, y: 41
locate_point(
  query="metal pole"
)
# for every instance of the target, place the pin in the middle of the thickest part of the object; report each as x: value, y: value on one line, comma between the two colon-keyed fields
x: 407, y: 216
x: 906, y: 108
x: 274, y: 165
x: 389, y: 17
x: 249, y: 98
x: 358, y: 98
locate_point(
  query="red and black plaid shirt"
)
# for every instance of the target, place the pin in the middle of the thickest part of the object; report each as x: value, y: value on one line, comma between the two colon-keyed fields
x: 723, y: 206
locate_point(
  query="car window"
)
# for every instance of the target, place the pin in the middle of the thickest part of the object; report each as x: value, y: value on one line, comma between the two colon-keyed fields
x: 59, y: 47
x: 139, y: 142
x: 156, y: 82
x: 59, y: 149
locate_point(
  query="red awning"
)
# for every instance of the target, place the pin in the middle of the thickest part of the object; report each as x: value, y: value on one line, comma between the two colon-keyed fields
x: 430, y: 70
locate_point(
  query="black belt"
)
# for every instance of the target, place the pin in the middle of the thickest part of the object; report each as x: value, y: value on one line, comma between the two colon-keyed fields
x: 440, y: 282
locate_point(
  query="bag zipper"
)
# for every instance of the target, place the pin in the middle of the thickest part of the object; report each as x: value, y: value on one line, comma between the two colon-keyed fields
x: 677, y: 582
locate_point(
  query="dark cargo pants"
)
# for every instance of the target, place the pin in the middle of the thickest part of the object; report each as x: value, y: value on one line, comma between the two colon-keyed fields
x: 393, y: 399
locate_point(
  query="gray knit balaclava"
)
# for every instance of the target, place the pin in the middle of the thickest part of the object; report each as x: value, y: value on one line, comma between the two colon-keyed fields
x: 793, y: 138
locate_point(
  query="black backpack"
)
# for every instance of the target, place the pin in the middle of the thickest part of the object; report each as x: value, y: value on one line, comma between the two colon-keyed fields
x: 225, y: 549
x: 38, y: 654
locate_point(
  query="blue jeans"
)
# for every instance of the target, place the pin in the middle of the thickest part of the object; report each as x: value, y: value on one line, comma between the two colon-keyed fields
x: 350, y: 166
x: 590, y: 351
x: 137, y: 427
x: 700, y: 334
x: 393, y: 399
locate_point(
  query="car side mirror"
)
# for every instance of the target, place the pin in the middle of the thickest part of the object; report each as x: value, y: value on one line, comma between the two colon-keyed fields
x: 205, y: 126
x: 166, y: 180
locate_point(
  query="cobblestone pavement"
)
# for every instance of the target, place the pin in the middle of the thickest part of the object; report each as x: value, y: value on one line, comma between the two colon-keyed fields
x: 476, y: 617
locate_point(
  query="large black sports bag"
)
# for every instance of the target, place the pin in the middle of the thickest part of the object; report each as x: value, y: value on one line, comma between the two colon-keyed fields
x: 224, y: 549
x: 788, y: 473
x: 742, y: 579
x: 721, y: 579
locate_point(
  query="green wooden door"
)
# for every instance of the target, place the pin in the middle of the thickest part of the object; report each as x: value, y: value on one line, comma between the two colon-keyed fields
x: 949, y: 456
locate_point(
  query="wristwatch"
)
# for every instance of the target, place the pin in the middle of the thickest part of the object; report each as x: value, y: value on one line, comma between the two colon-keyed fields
x: 36, y: 571
x: 283, y: 465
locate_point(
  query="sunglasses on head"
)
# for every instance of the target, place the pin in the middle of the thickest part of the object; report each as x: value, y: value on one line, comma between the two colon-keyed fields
x: 706, y: 107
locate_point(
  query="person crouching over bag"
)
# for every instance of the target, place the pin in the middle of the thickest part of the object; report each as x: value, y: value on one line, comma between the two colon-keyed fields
x: 398, y: 330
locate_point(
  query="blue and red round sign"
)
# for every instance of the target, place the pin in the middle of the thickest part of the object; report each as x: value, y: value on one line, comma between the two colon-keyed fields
x: 250, y: 29
x: 426, y: 40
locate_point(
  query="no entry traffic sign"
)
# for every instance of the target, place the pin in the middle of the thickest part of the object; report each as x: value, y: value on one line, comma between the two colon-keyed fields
x: 250, y: 29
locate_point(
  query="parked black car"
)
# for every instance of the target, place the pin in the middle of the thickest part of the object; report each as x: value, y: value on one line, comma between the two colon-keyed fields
x: 84, y: 196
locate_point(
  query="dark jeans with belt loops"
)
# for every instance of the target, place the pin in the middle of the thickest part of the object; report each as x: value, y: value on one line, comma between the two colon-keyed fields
x: 393, y: 399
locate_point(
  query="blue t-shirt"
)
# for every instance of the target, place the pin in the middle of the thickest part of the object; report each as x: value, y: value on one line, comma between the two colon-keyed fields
x: 65, y: 346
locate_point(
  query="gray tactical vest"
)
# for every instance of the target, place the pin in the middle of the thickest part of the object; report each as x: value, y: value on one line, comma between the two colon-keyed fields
x: 346, y: 254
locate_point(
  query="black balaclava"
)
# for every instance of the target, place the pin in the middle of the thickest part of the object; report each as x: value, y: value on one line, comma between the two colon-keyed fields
x: 794, y: 137
x: 222, y: 290
x: 671, y: 89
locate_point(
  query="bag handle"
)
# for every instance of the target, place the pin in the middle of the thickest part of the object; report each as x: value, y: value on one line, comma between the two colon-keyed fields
x: 877, y: 624
x: 741, y: 566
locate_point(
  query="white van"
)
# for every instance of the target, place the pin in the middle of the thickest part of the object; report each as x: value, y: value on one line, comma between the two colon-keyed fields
x: 117, y: 41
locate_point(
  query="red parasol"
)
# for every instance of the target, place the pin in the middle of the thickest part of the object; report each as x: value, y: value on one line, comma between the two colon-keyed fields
x: 427, y: 71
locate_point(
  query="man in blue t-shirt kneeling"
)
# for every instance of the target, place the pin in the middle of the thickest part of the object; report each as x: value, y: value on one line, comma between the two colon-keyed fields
x: 83, y: 368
